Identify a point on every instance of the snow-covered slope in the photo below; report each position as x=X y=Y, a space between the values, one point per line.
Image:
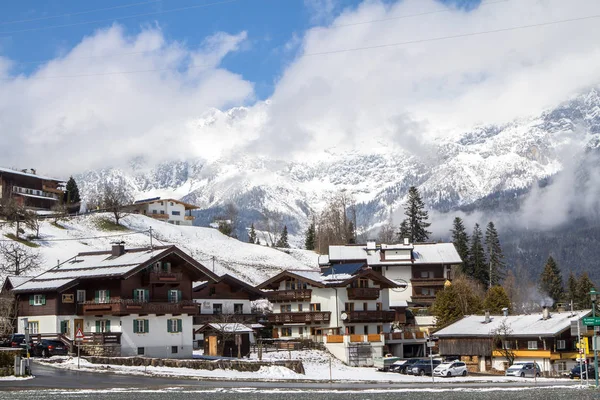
x=251 y=263
x=456 y=169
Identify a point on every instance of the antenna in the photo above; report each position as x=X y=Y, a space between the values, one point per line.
x=151 y=248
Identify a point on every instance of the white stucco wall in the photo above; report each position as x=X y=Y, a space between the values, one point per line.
x=158 y=341
x=206 y=305
x=46 y=324
x=398 y=273
x=168 y=207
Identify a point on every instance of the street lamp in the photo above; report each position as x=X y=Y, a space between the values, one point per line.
x=593 y=296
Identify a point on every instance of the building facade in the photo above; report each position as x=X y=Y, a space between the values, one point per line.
x=173 y=211
x=32 y=191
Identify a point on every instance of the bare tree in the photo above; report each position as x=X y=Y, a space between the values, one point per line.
x=34 y=223
x=8 y=314
x=116 y=199
x=59 y=212
x=16 y=259
x=502 y=342
x=228 y=221
x=335 y=224
x=16 y=214
x=228 y=326
x=272 y=226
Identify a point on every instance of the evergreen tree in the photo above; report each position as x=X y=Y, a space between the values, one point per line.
x=584 y=287
x=252 y=235
x=455 y=301
x=573 y=290
x=283 y=239
x=309 y=239
x=477 y=260
x=351 y=233
x=551 y=280
x=497 y=268
x=414 y=227
x=460 y=238
x=72 y=192
x=496 y=299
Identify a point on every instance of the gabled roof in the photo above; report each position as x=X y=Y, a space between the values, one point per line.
x=532 y=325
x=311 y=277
x=225 y=327
x=44 y=178
x=232 y=281
x=317 y=279
x=102 y=264
x=421 y=253
x=13 y=281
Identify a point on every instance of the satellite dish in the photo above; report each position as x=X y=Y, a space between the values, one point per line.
x=344 y=316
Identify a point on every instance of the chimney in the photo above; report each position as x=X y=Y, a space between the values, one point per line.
x=545 y=313
x=118 y=249
x=371 y=245
x=505 y=311
x=487 y=317
x=406 y=242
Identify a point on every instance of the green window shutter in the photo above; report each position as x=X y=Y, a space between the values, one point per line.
x=135 y=326
x=169 y=325
x=97 y=326
x=146 y=295
x=108 y=295
x=108 y=325
x=97 y=296
x=30 y=299
x=43 y=299
x=63 y=327
x=179 y=295
x=134 y=295
x=146 y=326
x=179 y=327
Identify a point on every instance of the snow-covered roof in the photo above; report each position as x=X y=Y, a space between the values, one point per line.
x=422 y=253
x=12 y=171
x=229 y=327
x=436 y=253
x=187 y=206
x=424 y=320
x=398 y=303
x=18 y=280
x=520 y=325
x=44 y=284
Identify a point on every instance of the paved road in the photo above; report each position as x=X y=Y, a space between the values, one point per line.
x=48 y=377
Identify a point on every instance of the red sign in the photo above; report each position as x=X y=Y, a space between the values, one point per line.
x=79 y=335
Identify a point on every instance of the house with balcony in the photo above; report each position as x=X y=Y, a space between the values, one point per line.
x=34 y=192
x=483 y=341
x=173 y=211
x=126 y=301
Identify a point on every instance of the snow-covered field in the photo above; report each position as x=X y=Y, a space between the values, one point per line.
x=251 y=263
x=15 y=378
x=316 y=365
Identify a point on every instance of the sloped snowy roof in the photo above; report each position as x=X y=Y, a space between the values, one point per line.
x=12 y=171
x=436 y=253
x=422 y=253
x=230 y=327
x=520 y=325
x=18 y=280
x=43 y=284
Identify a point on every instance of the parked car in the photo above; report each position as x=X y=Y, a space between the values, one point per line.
x=5 y=341
x=423 y=367
x=405 y=368
x=48 y=348
x=18 y=340
x=582 y=371
x=451 y=368
x=524 y=369
x=395 y=367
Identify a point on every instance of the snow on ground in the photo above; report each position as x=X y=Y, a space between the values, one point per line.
x=316 y=364
x=251 y=263
x=15 y=378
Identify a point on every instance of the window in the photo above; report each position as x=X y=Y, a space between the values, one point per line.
x=238 y=308
x=285 y=308
x=33 y=327
x=300 y=307
x=80 y=296
x=102 y=325
x=37 y=300
x=166 y=267
x=561 y=344
x=217 y=308
x=507 y=344
x=141 y=326
x=425 y=274
x=175 y=212
x=348 y=307
x=212 y=291
x=366 y=329
x=286 y=332
x=315 y=307
x=378 y=306
x=154 y=211
x=174 y=296
x=162 y=211
x=174 y=349
x=427 y=292
x=561 y=366
x=141 y=351
x=174 y=325
x=532 y=345
x=365 y=306
x=379 y=329
x=171 y=203
x=363 y=283
x=141 y=295
x=300 y=331
x=102 y=296
x=350 y=330
x=64 y=327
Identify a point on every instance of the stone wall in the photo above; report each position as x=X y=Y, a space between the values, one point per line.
x=107 y=350
x=237 y=365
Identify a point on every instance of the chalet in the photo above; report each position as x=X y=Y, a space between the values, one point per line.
x=169 y=210
x=128 y=301
x=33 y=191
x=12 y=281
x=544 y=338
x=423 y=268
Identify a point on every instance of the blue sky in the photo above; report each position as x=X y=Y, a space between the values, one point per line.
x=270 y=25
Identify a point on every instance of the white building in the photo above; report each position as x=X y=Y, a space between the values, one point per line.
x=169 y=210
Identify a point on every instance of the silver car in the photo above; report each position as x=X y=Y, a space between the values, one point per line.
x=524 y=369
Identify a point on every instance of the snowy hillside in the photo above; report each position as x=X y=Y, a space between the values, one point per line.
x=224 y=255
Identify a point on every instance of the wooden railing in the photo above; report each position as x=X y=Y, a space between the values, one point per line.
x=159 y=216
x=363 y=293
x=290 y=295
x=423 y=298
x=189 y=217
x=427 y=282
x=165 y=277
x=370 y=316
x=125 y=306
x=300 y=317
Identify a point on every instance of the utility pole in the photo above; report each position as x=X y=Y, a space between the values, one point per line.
x=151 y=238
x=593 y=296
x=579 y=348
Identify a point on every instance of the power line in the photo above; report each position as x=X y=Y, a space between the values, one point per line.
x=73 y=14
x=81 y=238
x=120 y=18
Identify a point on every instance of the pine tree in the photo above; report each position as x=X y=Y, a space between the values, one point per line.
x=551 y=282
x=497 y=268
x=283 y=239
x=584 y=287
x=252 y=235
x=460 y=238
x=414 y=227
x=477 y=259
x=351 y=233
x=72 y=192
x=496 y=299
x=309 y=240
x=573 y=290
x=455 y=301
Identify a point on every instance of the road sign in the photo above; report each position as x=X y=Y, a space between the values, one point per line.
x=79 y=335
x=591 y=321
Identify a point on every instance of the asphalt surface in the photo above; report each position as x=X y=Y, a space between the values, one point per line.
x=48 y=377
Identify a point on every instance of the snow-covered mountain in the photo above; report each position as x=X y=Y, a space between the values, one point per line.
x=456 y=169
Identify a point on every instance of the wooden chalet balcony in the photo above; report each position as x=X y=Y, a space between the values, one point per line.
x=125 y=307
x=370 y=316
x=300 y=317
x=202 y=319
x=363 y=293
x=165 y=277
x=423 y=298
x=290 y=295
x=159 y=216
x=428 y=282
x=189 y=217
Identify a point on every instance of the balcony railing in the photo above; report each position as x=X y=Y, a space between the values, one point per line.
x=428 y=282
x=159 y=216
x=363 y=293
x=290 y=295
x=300 y=317
x=423 y=298
x=189 y=217
x=35 y=192
x=370 y=316
x=165 y=277
x=124 y=307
